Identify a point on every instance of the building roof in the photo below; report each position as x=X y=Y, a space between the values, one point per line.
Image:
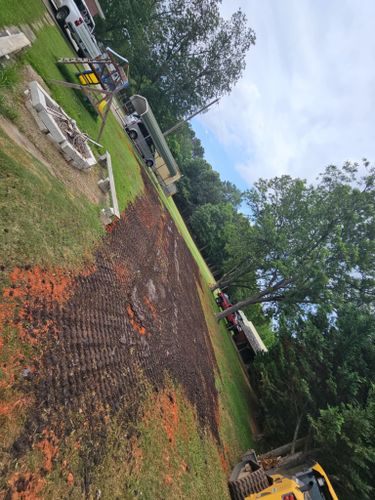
x=95 y=8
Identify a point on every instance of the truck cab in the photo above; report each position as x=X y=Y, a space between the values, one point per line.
x=75 y=16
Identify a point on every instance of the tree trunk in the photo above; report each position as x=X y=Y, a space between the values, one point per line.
x=296 y=431
x=285 y=449
x=264 y=296
x=202 y=248
x=232 y=274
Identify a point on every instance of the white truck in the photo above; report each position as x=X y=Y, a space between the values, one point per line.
x=75 y=15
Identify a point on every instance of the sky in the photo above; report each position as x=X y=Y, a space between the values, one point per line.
x=306 y=98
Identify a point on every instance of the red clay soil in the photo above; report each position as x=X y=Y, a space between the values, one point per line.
x=128 y=321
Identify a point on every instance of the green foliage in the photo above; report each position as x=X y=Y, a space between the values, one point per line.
x=320 y=372
x=182 y=53
x=184 y=144
x=310 y=244
x=201 y=185
x=346 y=433
x=210 y=223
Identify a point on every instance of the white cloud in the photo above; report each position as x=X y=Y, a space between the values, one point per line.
x=307 y=95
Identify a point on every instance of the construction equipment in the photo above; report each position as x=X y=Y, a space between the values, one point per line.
x=249 y=481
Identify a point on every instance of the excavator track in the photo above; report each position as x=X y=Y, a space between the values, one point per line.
x=253 y=482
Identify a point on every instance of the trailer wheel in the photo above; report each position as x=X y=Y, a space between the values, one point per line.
x=149 y=163
x=62 y=14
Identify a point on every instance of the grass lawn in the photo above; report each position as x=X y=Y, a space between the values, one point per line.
x=233 y=387
x=20 y=11
x=40 y=222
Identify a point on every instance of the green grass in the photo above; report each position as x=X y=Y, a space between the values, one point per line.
x=183 y=464
x=43 y=55
x=234 y=390
x=41 y=223
x=9 y=79
x=20 y=11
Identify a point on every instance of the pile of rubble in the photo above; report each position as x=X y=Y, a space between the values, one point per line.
x=60 y=128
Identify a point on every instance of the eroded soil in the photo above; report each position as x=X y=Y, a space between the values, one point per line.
x=111 y=331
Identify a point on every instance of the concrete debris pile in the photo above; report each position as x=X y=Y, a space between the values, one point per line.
x=60 y=128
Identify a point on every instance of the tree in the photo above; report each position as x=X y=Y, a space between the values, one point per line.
x=345 y=434
x=200 y=184
x=317 y=380
x=310 y=244
x=182 y=52
x=212 y=225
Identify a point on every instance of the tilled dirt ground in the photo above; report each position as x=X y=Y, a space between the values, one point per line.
x=122 y=325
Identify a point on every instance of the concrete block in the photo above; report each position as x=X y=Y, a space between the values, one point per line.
x=67 y=157
x=39 y=122
x=106 y=215
x=50 y=138
x=70 y=151
x=91 y=161
x=76 y=164
x=52 y=126
x=104 y=185
x=112 y=184
x=102 y=160
x=37 y=96
x=13 y=43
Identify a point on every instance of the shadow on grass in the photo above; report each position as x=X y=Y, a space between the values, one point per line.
x=85 y=101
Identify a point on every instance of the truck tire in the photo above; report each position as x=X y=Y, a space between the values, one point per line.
x=253 y=482
x=62 y=14
x=133 y=134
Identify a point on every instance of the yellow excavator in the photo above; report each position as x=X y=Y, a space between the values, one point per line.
x=289 y=481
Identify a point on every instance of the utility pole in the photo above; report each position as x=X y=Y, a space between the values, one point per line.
x=180 y=123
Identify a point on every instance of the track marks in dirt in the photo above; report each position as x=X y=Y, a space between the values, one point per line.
x=131 y=320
